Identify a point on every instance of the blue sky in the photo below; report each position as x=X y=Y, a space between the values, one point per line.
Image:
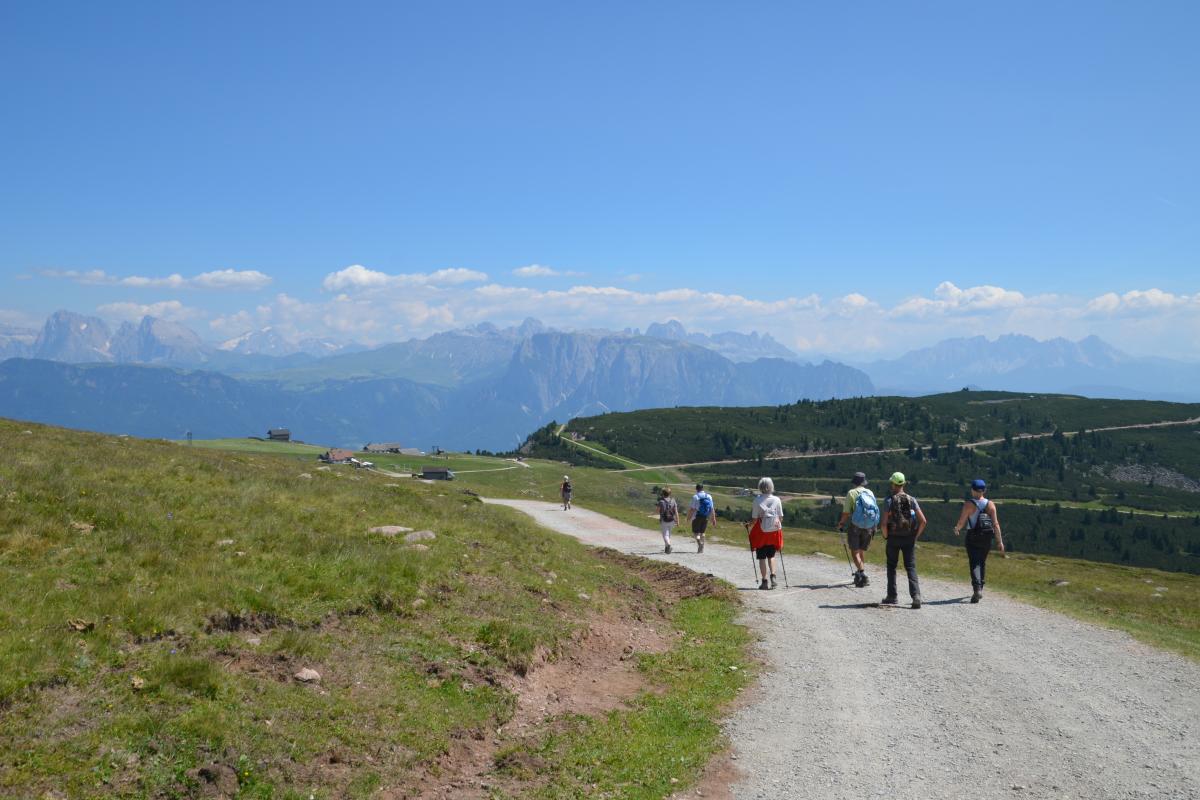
x=814 y=170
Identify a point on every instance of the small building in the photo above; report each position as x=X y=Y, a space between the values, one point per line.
x=337 y=455
x=411 y=451
x=383 y=447
x=437 y=474
x=279 y=435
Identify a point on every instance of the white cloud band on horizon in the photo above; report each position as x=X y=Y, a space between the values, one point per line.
x=217 y=280
x=540 y=271
x=356 y=277
x=374 y=307
x=172 y=310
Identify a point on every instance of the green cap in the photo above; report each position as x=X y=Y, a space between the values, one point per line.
x=898 y=479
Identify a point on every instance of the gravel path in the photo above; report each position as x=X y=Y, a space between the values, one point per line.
x=955 y=700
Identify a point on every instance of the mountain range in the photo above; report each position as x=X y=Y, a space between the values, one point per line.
x=486 y=387
x=478 y=387
x=1090 y=367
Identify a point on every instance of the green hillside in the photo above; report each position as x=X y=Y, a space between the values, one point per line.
x=160 y=600
x=1069 y=487
x=677 y=435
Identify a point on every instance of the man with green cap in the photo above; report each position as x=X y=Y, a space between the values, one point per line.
x=903 y=524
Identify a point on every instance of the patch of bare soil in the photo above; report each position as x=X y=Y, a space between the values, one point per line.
x=720 y=774
x=596 y=673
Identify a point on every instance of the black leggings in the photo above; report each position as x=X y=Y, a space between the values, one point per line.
x=977 y=553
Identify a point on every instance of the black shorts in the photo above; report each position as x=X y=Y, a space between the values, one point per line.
x=699 y=525
x=766 y=551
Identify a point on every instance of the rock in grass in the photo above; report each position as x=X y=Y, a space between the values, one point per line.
x=418 y=547
x=83 y=527
x=1060 y=582
x=420 y=536
x=389 y=530
x=307 y=675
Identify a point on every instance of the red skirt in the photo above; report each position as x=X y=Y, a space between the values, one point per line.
x=760 y=538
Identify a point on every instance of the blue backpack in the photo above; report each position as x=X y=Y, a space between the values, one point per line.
x=866 y=511
x=705 y=504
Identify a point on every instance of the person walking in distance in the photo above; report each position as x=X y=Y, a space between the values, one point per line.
x=701 y=513
x=668 y=516
x=861 y=511
x=983 y=525
x=766 y=531
x=903 y=524
x=566 y=490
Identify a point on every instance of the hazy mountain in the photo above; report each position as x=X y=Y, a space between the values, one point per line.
x=734 y=346
x=1089 y=366
x=16 y=342
x=270 y=342
x=562 y=375
x=158 y=402
x=509 y=385
x=157 y=341
x=443 y=359
x=67 y=336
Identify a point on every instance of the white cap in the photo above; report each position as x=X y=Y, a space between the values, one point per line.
x=566 y=477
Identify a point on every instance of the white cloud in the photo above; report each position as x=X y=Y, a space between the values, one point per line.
x=375 y=307
x=221 y=280
x=1140 y=303
x=539 y=271
x=132 y=312
x=356 y=277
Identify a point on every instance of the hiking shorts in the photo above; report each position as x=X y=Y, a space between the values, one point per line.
x=699 y=525
x=764 y=552
x=858 y=538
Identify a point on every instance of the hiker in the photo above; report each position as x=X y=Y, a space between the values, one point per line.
x=766 y=533
x=979 y=516
x=861 y=511
x=903 y=524
x=701 y=513
x=668 y=515
x=565 y=491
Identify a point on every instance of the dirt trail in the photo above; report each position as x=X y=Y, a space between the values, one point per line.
x=954 y=700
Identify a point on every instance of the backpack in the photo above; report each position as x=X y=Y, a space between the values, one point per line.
x=866 y=511
x=704 y=506
x=902 y=516
x=983 y=521
x=668 y=510
x=566 y=487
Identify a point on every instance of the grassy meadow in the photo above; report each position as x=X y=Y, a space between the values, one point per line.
x=161 y=598
x=1112 y=595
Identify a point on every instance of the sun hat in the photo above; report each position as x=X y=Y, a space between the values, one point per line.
x=979 y=485
x=898 y=479
x=859 y=478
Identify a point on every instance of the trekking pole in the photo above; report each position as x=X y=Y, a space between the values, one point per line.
x=849 y=561
x=753 y=563
x=783 y=564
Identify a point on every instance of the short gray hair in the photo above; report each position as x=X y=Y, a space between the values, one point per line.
x=766 y=486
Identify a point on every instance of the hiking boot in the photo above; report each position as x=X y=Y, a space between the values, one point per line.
x=863 y=580
x=699 y=545
x=888 y=601
x=857 y=580
x=667 y=549
x=773 y=584
x=976 y=596
x=764 y=585
x=916 y=602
